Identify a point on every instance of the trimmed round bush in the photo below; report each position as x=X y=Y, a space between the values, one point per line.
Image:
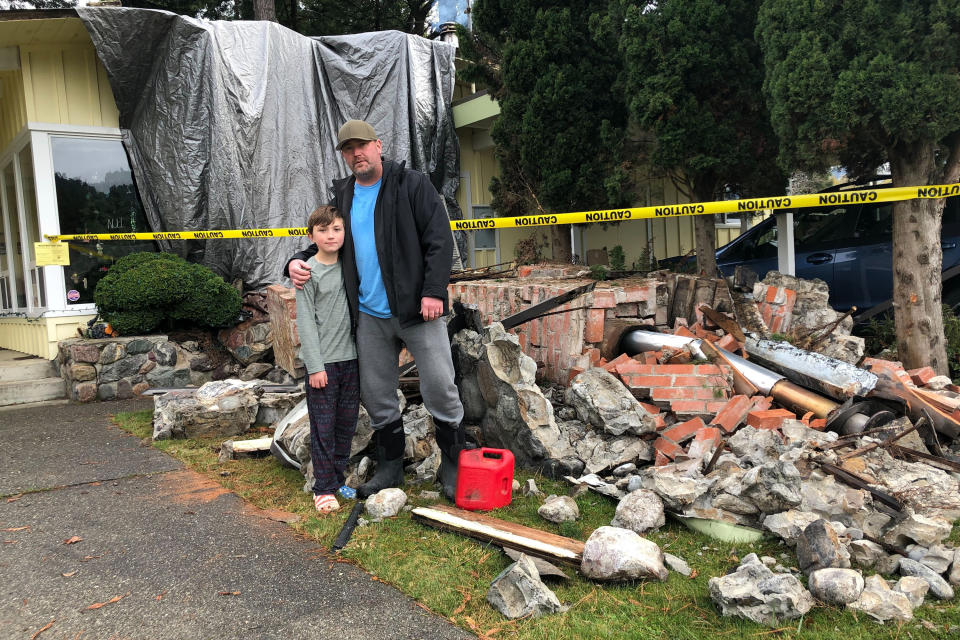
x=144 y=290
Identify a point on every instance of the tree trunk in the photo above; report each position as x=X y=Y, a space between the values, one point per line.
x=264 y=10
x=560 y=240
x=705 y=235
x=917 y=263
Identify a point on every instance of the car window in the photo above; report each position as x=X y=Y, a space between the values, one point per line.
x=874 y=225
x=951 y=218
x=823 y=228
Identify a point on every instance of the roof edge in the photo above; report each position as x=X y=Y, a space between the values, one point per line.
x=37 y=14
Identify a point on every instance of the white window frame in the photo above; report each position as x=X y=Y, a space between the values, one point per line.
x=48 y=211
x=11 y=157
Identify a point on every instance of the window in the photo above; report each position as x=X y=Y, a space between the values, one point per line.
x=484 y=241
x=95 y=194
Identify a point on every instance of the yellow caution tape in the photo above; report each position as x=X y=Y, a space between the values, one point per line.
x=607 y=215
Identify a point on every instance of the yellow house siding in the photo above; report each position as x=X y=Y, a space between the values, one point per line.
x=66 y=84
x=39 y=336
x=13 y=109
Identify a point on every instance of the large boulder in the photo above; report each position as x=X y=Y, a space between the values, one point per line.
x=640 y=511
x=615 y=554
x=603 y=401
x=756 y=593
x=518 y=416
x=836 y=586
x=217 y=409
x=518 y=592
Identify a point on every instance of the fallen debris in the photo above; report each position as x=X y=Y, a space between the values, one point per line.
x=519 y=592
x=756 y=593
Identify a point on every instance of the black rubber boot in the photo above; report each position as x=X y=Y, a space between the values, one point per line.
x=450 y=440
x=390 y=444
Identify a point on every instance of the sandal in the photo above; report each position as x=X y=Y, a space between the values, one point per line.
x=325 y=503
x=347 y=493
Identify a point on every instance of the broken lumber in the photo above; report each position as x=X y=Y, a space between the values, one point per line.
x=232 y=449
x=530 y=541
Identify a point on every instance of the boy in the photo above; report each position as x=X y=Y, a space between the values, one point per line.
x=330 y=356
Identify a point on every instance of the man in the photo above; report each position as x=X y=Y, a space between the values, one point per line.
x=396 y=260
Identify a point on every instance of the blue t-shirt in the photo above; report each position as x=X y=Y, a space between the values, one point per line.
x=373 y=295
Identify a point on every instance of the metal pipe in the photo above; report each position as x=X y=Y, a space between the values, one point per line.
x=835 y=378
x=801 y=400
x=638 y=341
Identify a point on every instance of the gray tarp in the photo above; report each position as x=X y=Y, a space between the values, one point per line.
x=233 y=125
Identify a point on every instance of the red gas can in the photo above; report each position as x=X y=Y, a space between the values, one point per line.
x=484 y=479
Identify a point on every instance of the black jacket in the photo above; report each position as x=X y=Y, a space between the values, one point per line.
x=414 y=242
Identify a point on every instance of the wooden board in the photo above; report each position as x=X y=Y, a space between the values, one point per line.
x=534 y=542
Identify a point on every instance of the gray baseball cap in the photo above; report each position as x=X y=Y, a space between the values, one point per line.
x=355 y=130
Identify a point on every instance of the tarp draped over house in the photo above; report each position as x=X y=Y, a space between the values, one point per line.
x=233 y=125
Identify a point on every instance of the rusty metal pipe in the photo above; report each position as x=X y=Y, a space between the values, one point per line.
x=801 y=400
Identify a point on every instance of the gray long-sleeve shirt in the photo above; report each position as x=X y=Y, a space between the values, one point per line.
x=323 y=319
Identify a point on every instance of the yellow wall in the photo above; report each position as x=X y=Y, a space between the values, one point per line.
x=39 y=336
x=66 y=84
x=13 y=109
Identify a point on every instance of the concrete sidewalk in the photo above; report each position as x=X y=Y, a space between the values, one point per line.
x=186 y=558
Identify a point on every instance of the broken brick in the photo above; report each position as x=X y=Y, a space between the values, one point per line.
x=706 y=440
x=668 y=447
x=922 y=375
x=660 y=460
x=684 y=431
x=733 y=413
x=728 y=342
x=769 y=419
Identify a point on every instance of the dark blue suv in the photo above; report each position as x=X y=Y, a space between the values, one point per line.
x=848 y=246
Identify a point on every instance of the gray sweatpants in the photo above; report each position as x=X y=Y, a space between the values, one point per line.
x=378 y=351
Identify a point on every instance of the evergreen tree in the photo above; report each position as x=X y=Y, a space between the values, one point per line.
x=693 y=78
x=865 y=82
x=561 y=120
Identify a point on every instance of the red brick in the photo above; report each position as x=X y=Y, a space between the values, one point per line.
x=708 y=369
x=649 y=408
x=733 y=413
x=709 y=433
x=651 y=357
x=922 y=375
x=604 y=299
x=630 y=366
x=714 y=407
x=649 y=382
x=689 y=381
x=593 y=332
x=674 y=393
x=686 y=409
x=684 y=431
x=524 y=271
x=682 y=330
x=706 y=440
x=668 y=448
x=819 y=424
x=761 y=403
x=771 y=294
x=621 y=359
x=659 y=422
x=728 y=342
x=676 y=369
x=574 y=372
x=889 y=368
x=680 y=357
x=679 y=322
x=769 y=419
x=661 y=460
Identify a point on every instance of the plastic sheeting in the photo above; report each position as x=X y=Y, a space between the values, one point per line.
x=233 y=125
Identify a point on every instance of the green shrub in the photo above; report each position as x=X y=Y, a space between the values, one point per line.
x=618 y=259
x=142 y=290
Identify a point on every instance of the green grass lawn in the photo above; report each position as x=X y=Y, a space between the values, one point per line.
x=450 y=574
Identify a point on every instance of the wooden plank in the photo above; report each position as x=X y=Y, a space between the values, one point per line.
x=535 y=542
x=740 y=382
x=725 y=322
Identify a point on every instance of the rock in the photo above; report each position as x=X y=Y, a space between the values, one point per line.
x=865 y=554
x=625 y=470
x=914 y=588
x=773 y=487
x=385 y=504
x=167 y=378
x=888 y=565
x=255 y=370
x=279 y=375
x=518 y=416
x=882 y=603
x=530 y=488
x=756 y=593
x=516 y=485
x=756 y=446
x=107 y=391
x=112 y=352
x=274 y=406
x=466 y=348
x=559 y=509
x=81 y=372
x=675 y=488
x=836 y=586
x=603 y=401
x=615 y=554
x=281 y=303
x=250 y=341
x=678 y=564
x=418 y=430
x=124 y=368
x=543 y=567
x=954 y=578
x=937 y=557
x=833 y=501
x=928 y=491
x=788 y=525
x=140 y=345
x=519 y=592
x=430 y=495
x=640 y=511
x=925 y=531
x=818 y=547
x=796 y=433
x=426 y=471
x=85 y=391
x=600 y=452
x=165 y=353
x=939 y=588
x=224 y=408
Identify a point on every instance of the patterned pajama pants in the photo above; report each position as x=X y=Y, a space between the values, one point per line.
x=333 y=421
